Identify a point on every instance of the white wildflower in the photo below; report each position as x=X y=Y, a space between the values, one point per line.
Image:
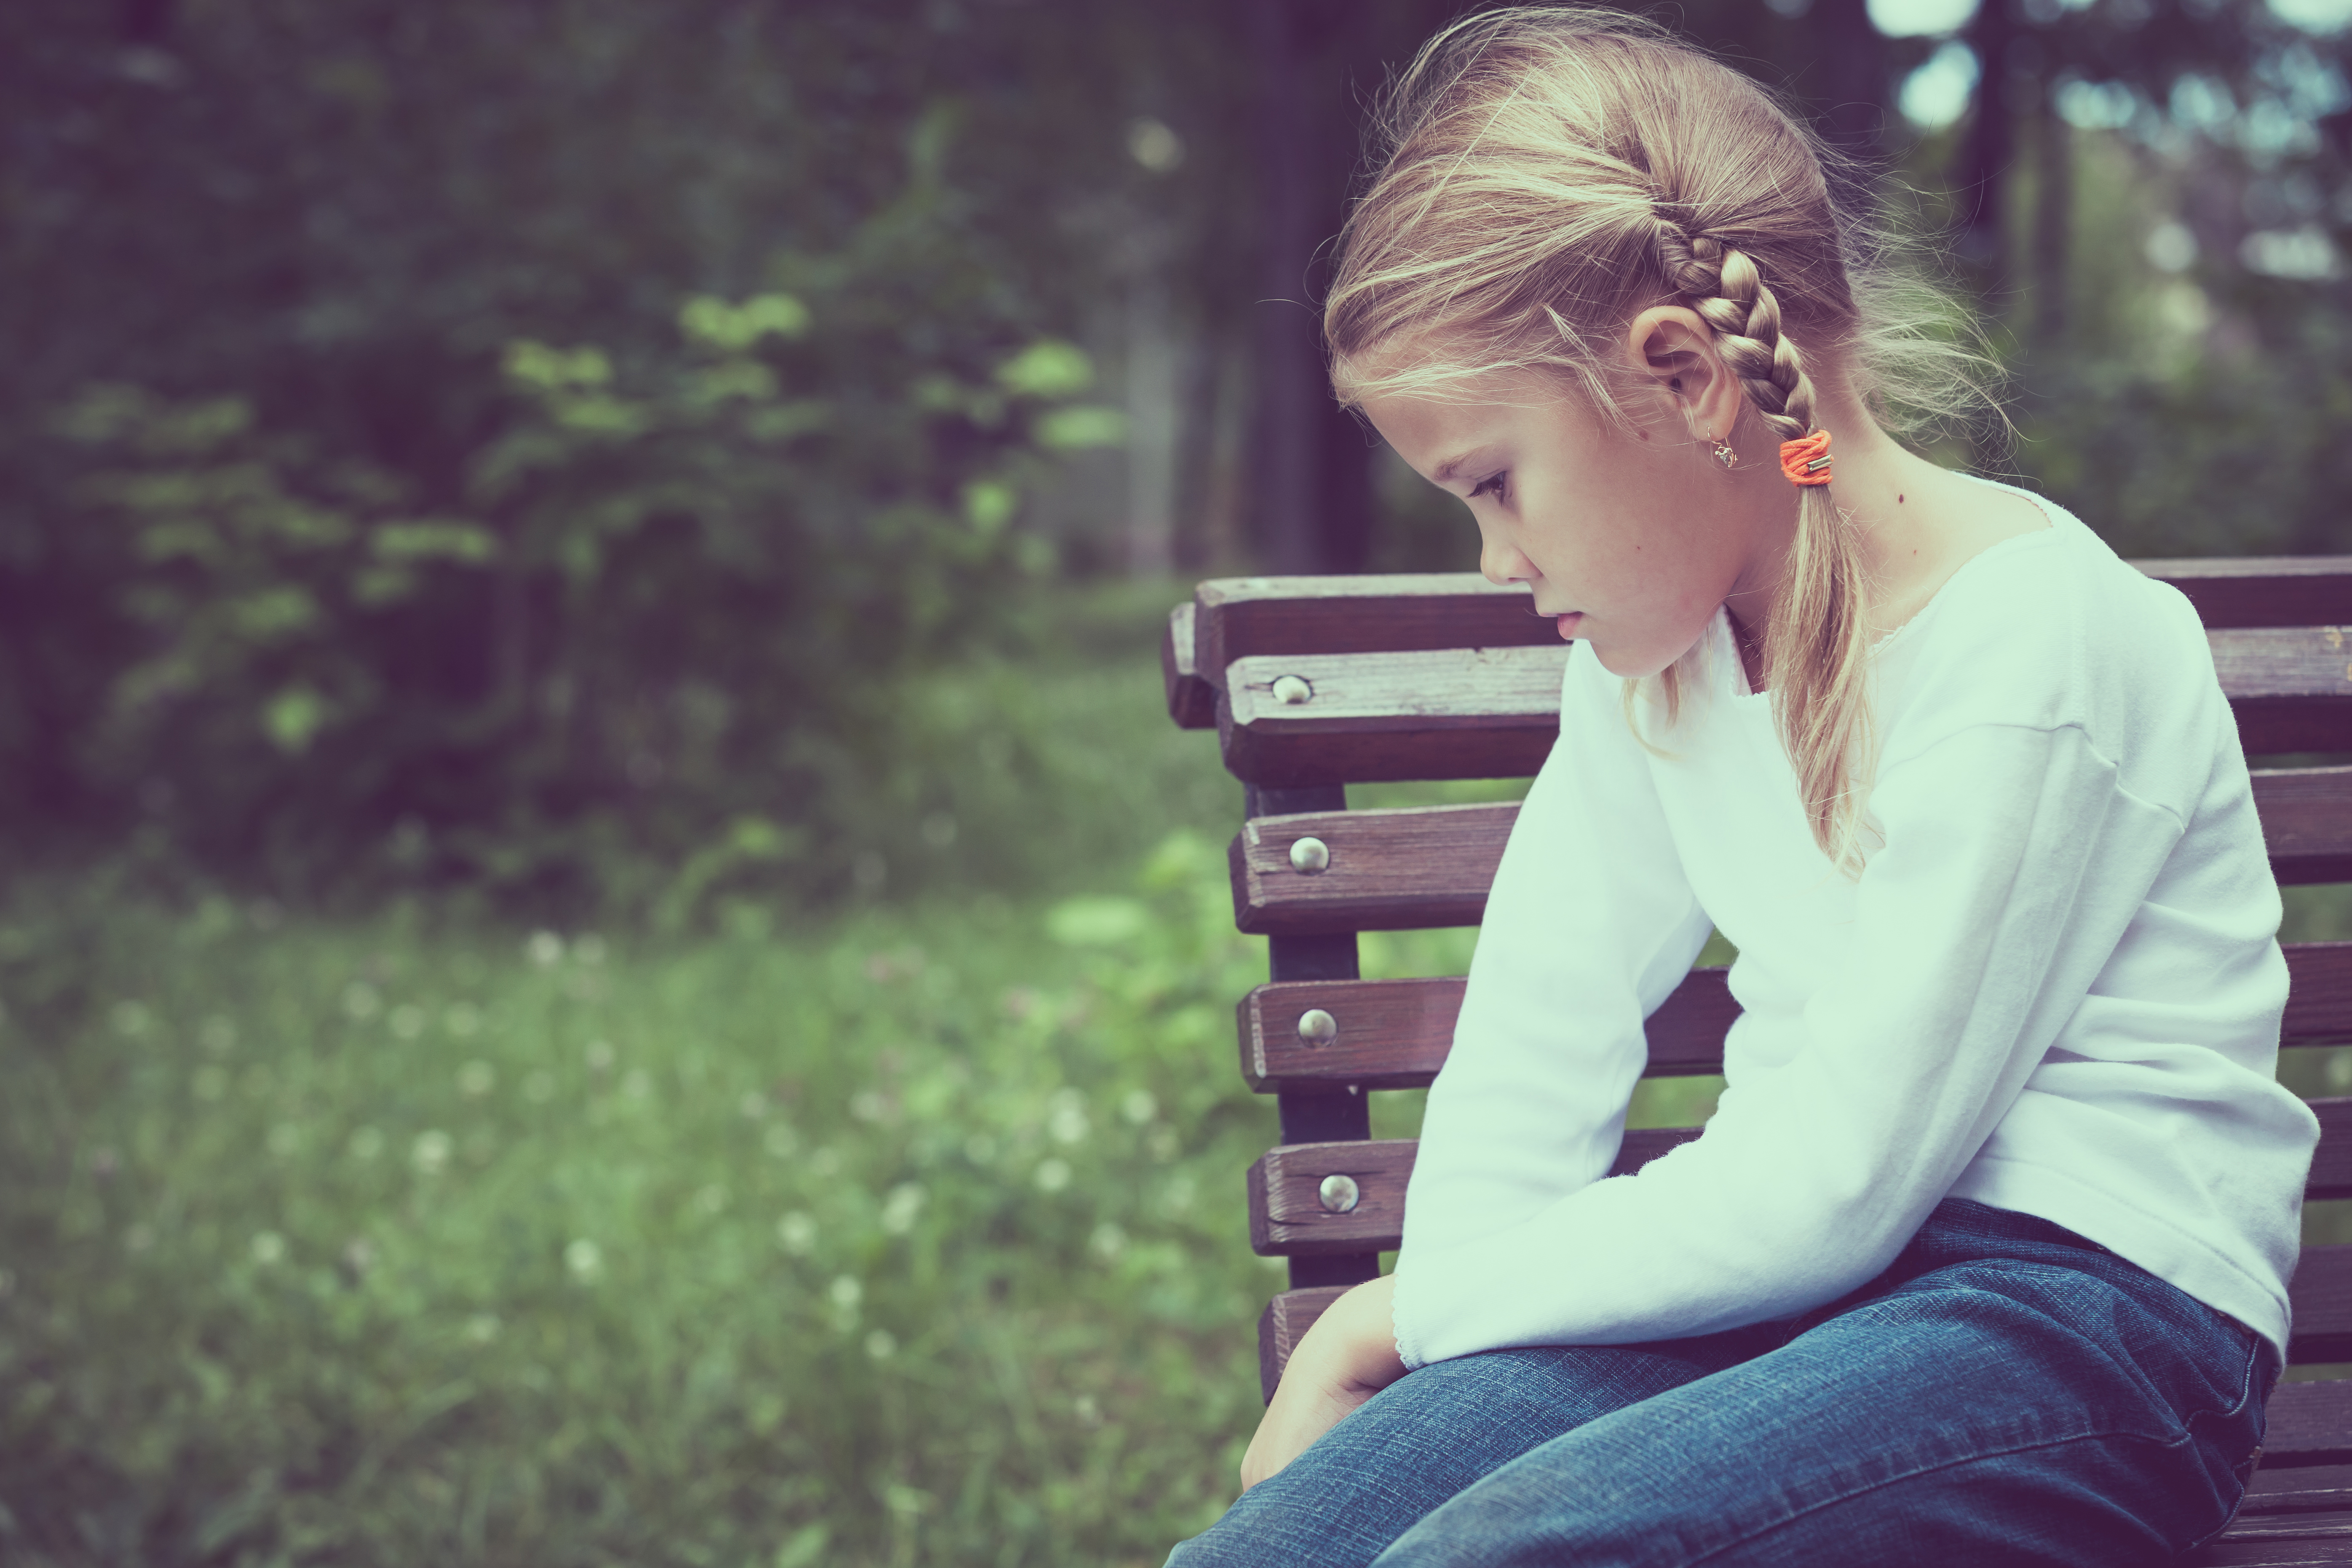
x=900 y=1209
x=430 y=1152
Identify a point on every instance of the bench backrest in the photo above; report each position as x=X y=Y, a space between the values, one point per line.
x=1314 y=683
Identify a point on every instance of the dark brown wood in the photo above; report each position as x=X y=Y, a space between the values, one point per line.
x=1493 y=712
x=1241 y=617
x=1391 y=1034
x=1283 y=1323
x=2308 y=1424
x=1485 y=712
x=1192 y=701
x=2319 y=995
x=2262 y=590
x=2286 y=686
x=2303 y=1489
x=2331 y=1164
x=1394 y=1033
x=1431 y=866
x=2306 y=821
x=1287 y=1218
x=2311 y=1540
x=2322 y=1294
x=1386 y=870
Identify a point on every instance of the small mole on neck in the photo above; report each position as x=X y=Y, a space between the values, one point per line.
x=1643 y=434
x=1898 y=500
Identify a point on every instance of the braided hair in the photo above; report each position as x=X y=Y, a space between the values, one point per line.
x=1545 y=173
x=1819 y=703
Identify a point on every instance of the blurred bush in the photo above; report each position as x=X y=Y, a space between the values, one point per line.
x=448 y=447
x=687 y=574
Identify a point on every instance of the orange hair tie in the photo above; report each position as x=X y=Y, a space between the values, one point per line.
x=1806 y=461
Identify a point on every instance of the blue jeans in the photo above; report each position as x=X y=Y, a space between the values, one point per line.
x=2007 y=1392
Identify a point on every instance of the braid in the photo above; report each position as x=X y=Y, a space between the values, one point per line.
x=1815 y=654
x=1729 y=295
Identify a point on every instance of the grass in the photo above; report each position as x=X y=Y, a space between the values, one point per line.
x=915 y=1239
x=910 y=1235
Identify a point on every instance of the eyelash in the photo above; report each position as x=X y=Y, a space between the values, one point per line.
x=1493 y=483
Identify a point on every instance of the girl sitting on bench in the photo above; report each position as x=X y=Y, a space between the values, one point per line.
x=1983 y=1256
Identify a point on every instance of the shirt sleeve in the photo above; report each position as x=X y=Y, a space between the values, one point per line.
x=1977 y=928
x=1589 y=925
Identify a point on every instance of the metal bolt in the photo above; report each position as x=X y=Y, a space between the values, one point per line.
x=1309 y=855
x=1317 y=1027
x=1339 y=1193
x=1292 y=690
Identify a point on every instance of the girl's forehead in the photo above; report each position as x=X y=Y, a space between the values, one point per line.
x=1449 y=435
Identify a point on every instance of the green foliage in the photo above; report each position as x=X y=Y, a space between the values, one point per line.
x=445 y=445
x=667 y=578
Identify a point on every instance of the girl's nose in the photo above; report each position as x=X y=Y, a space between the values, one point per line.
x=1502 y=564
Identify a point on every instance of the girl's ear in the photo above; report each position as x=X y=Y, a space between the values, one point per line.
x=1674 y=350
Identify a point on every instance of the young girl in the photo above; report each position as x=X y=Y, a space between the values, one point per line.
x=1983 y=1256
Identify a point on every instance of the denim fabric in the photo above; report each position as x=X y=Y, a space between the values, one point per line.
x=2007 y=1392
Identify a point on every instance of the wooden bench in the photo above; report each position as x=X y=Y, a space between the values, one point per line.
x=1315 y=683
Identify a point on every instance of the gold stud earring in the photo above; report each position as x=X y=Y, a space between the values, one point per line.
x=1723 y=452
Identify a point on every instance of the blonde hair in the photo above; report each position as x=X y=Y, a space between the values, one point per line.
x=1544 y=174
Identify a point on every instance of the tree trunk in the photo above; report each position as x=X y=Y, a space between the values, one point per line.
x=1854 y=88
x=1986 y=150
x=2053 y=207
x=1311 y=462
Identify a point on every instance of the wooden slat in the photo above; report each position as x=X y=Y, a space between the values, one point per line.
x=2306 y=821
x=2309 y=1540
x=1242 y=618
x=2303 y=1489
x=2262 y=590
x=1482 y=712
x=1421 y=866
x=2322 y=1294
x=1287 y=1218
x=2308 y=1424
x=1394 y=1033
x=1388 y=870
x=2331 y=1164
x=1494 y=713
x=1192 y=701
x=2318 y=993
x=1283 y=1323
x=2286 y=686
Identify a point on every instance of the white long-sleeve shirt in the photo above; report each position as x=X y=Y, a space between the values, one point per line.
x=2056 y=987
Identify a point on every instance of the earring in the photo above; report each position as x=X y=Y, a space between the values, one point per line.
x=1723 y=452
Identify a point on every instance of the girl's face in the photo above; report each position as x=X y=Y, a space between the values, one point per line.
x=1631 y=540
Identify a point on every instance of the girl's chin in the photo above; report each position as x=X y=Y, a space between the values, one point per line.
x=1631 y=663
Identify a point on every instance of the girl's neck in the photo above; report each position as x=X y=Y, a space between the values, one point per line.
x=1916 y=524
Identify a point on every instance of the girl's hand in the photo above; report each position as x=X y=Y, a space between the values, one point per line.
x=1346 y=1357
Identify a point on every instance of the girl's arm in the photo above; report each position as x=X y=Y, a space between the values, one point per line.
x=1591 y=924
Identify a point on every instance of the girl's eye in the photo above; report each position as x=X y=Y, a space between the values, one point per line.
x=1492 y=485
